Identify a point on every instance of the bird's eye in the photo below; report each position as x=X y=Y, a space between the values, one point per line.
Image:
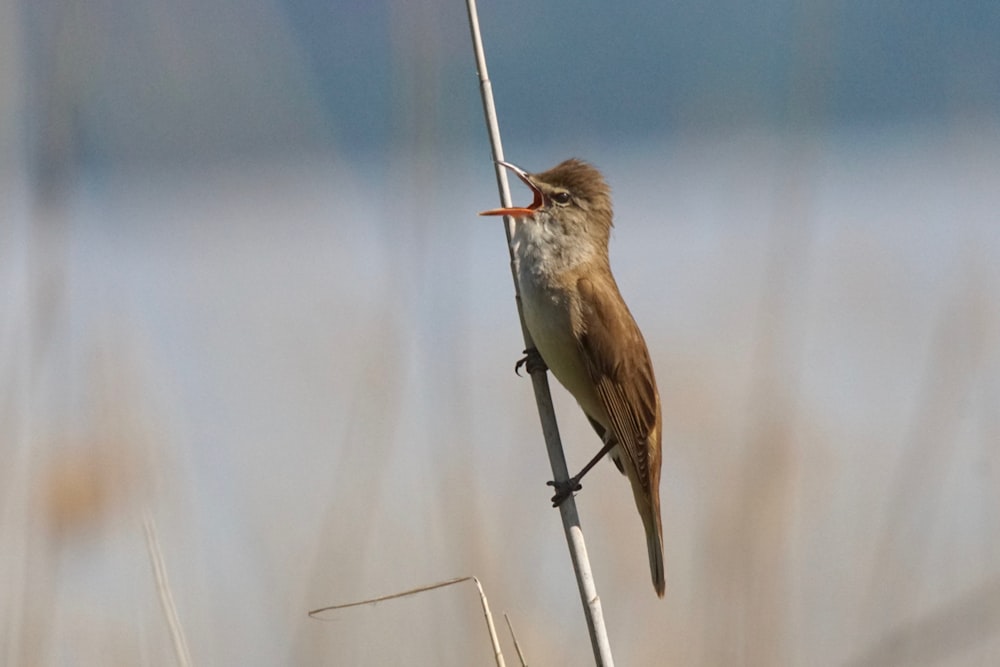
x=560 y=197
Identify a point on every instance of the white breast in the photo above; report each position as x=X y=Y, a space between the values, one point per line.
x=550 y=309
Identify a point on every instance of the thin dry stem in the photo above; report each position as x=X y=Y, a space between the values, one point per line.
x=592 y=609
x=517 y=644
x=163 y=589
x=495 y=641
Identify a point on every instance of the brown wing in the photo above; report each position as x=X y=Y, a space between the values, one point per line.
x=619 y=365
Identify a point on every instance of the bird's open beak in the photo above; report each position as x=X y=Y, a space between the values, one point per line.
x=519 y=212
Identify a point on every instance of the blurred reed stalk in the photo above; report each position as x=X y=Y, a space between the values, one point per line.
x=163 y=591
x=546 y=413
x=517 y=644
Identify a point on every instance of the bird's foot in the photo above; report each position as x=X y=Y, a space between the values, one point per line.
x=532 y=361
x=564 y=490
x=567 y=488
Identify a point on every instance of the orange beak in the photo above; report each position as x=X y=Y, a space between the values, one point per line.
x=519 y=212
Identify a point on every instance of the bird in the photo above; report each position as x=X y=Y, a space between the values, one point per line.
x=583 y=331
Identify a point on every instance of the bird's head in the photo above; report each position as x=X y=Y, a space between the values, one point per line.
x=572 y=195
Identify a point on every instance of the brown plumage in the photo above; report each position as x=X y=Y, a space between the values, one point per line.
x=583 y=330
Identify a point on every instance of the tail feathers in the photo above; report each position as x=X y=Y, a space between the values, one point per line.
x=654 y=544
x=648 y=504
x=649 y=511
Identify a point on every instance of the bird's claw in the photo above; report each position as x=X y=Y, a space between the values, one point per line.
x=532 y=361
x=564 y=490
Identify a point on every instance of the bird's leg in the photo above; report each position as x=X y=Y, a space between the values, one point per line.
x=565 y=489
x=532 y=361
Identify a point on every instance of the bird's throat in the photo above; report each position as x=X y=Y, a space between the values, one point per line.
x=548 y=253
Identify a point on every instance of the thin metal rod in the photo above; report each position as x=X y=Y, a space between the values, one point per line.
x=546 y=413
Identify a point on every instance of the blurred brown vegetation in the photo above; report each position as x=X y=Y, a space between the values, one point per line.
x=317 y=411
x=301 y=368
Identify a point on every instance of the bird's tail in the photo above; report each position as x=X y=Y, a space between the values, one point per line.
x=654 y=543
x=647 y=501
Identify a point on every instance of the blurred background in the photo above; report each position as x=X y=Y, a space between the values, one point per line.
x=244 y=293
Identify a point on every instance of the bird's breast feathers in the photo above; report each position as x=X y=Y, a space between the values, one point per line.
x=552 y=311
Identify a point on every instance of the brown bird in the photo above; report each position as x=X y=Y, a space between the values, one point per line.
x=584 y=332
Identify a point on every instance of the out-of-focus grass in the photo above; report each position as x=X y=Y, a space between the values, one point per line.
x=310 y=385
